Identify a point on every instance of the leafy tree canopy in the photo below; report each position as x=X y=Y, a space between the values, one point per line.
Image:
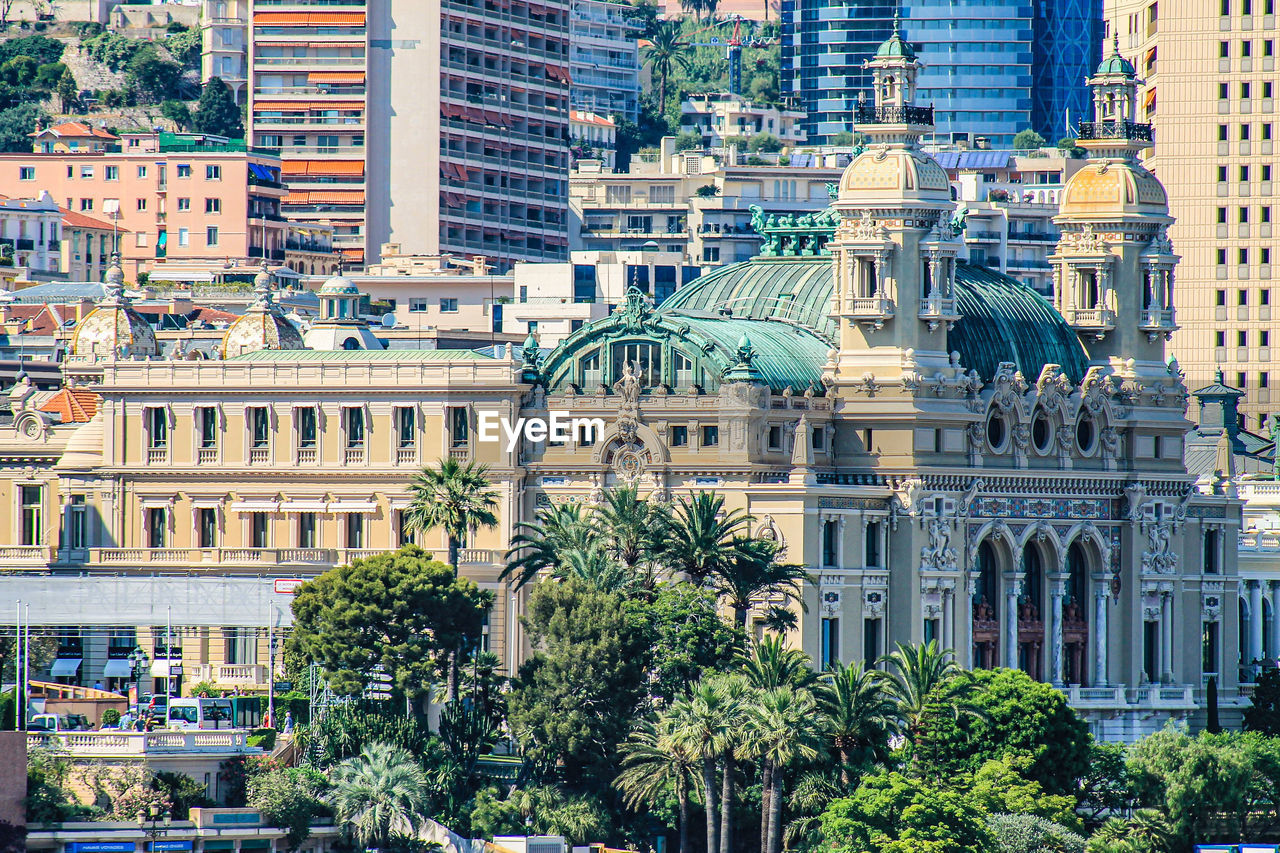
x=690 y=638
x=216 y=112
x=402 y=611
x=890 y=812
x=1022 y=833
x=289 y=798
x=152 y=75
x=42 y=49
x=576 y=696
x=1028 y=139
x=1264 y=714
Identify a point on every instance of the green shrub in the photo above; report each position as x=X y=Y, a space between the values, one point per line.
x=110 y=717
x=264 y=738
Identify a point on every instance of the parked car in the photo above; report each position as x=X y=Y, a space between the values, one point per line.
x=56 y=723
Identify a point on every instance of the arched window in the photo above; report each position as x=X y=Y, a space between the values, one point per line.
x=986 y=613
x=1075 y=616
x=350 y=344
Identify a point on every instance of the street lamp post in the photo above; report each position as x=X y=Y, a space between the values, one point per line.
x=138 y=660
x=154 y=822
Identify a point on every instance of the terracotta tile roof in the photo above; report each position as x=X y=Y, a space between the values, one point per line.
x=75 y=219
x=73 y=405
x=76 y=129
x=41 y=319
x=589 y=118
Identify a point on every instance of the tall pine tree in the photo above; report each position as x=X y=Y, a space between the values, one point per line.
x=217 y=113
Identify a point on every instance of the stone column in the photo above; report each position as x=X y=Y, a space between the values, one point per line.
x=840 y=533
x=1100 y=641
x=1010 y=638
x=1255 y=625
x=1274 y=627
x=949 y=619
x=1166 y=637
x=1057 y=588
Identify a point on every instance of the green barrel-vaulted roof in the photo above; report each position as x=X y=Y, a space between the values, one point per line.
x=796 y=290
x=785 y=355
x=1001 y=319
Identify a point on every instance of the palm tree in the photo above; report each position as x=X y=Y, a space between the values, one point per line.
x=754 y=572
x=737 y=696
x=454 y=497
x=632 y=528
x=785 y=727
x=771 y=665
x=926 y=681
x=664 y=53
x=652 y=761
x=700 y=725
x=1112 y=837
x=597 y=568
x=382 y=793
x=544 y=544
x=1149 y=831
x=704 y=538
x=859 y=713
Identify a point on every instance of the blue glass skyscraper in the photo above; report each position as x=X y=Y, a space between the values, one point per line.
x=1065 y=50
x=982 y=61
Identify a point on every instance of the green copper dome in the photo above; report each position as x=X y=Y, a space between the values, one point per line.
x=1115 y=63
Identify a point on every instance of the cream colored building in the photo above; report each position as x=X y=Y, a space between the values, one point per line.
x=722 y=116
x=658 y=200
x=952 y=456
x=1207 y=91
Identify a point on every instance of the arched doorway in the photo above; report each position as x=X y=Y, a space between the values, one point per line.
x=986 y=603
x=1075 y=617
x=1030 y=610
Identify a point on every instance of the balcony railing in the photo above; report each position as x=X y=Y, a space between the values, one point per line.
x=306 y=456
x=938 y=309
x=109 y=744
x=871 y=309
x=354 y=456
x=865 y=114
x=320 y=558
x=14 y=555
x=1157 y=321
x=259 y=455
x=233 y=674
x=1096 y=320
x=406 y=455
x=460 y=454
x=1115 y=129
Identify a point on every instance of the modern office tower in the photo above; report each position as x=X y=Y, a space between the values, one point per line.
x=1214 y=121
x=604 y=59
x=991 y=67
x=1065 y=46
x=476 y=163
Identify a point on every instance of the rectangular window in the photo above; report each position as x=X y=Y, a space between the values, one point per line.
x=184 y=204
x=775 y=437
x=354 y=417
x=1266 y=173
x=32 y=532
x=355 y=530
x=870 y=641
x=211 y=235
x=710 y=436
x=207 y=427
x=77 y=523
x=86 y=204
x=1211 y=540
x=1245 y=90
x=157 y=428
x=830 y=541
x=142 y=171
x=157 y=526
x=406 y=431
x=307 y=427
x=1244 y=173
x=1222 y=216
x=404 y=530
x=830 y=643
x=258 y=529
x=448 y=305
x=306 y=530
x=213 y=205
x=1221 y=297
x=26 y=173
x=1264 y=338
x=1222 y=133
x=1224 y=91
x=86 y=171
x=872 y=549
x=184 y=237
x=207 y=527
x=259 y=426
x=679 y=436
x=459 y=427
x=142 y=204
x=111 y=173
x=1220 y=339
x=1242 y=339
x=417 y=306
x=1242 y=296
x=184 y=170
x=1209 y=649
x=213 y=173
x=1222 y=173
x=1243 y=214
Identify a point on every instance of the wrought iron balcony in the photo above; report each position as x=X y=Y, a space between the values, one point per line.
x=865 y=114
x=1115 y=129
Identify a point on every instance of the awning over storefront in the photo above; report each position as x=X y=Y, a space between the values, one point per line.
x=303 y=506
x=254 y=505
x=117 y=668
x=353 y=506
x=63 y=667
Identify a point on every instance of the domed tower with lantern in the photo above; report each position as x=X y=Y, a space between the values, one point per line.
x=895 y=248
x=262 y=327
x=1114 y=265
x=340 y=325
x=114 y=330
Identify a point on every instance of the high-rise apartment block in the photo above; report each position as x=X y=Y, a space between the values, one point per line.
x=438 y=125
x=1215 y=122
x=604 y=59
x=991 y=67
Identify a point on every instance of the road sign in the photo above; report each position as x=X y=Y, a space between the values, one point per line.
x=288 y=586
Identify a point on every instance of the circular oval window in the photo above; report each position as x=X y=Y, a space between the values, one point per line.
x=1086 y=435
x=1041 y=432
x=996 y=431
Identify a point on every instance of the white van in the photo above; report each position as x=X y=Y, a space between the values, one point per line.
x=198 y=713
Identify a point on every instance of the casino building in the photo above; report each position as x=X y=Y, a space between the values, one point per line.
x=954 y=457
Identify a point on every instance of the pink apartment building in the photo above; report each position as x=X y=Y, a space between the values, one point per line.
x=173 y=196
